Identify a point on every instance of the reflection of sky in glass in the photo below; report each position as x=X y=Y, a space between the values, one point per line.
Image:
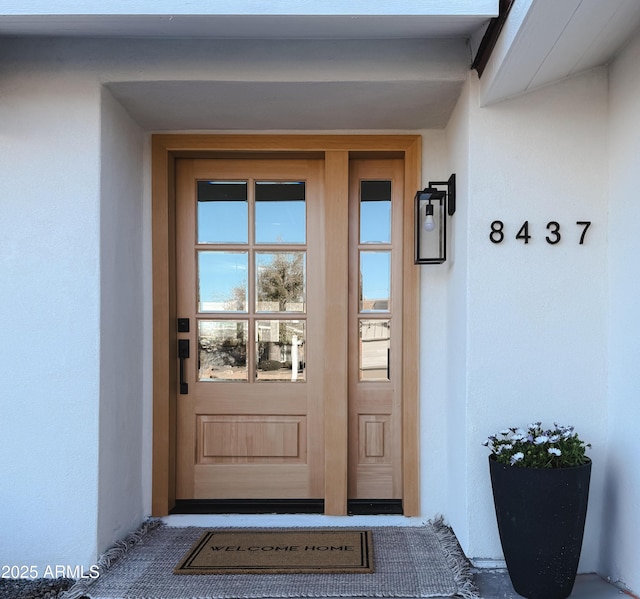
x=222 y=212
x=219 y=273
x=280 y=222
x=222 y=222
x=375 y=272
x=375 y=222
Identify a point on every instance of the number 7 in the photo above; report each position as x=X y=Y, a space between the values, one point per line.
x=586 y=224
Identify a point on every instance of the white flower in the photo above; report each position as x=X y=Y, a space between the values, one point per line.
x=541 y=439
x=554 y=451
x=554 y=438
x=516 y=457
x=505 y=432
x=505 y=447
x=517 y=437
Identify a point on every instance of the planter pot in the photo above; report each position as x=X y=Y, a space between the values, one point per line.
x=541 y=514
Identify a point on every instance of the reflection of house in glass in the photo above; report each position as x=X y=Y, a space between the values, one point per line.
x=231 y=305
x=375 y=305
x=375 y=346
x=222 y=350
x=280 y=349
x=277 y=306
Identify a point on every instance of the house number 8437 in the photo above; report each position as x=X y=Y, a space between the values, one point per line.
x=553 y=236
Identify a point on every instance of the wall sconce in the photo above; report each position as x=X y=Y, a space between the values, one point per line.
x=431 y=208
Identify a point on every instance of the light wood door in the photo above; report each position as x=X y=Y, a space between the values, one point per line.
x=258 y=298
x=376 y=251
x=249 y=239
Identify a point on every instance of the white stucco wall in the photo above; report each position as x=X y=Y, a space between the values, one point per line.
x=50 y=305
x=73 y=291
x=620 y=536
x=434 y=406
x=451 y=281
x=536 y=314
x=123 y=319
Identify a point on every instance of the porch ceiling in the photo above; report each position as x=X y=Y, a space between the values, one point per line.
x=235 y=84
x=282 y=19
x=171 y=105
x=542 y=41
x=336 y=64
x=244 y=27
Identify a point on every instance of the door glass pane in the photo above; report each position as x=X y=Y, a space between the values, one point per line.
x=222 y=350
x=375 y=281
x=280 y=212
x=280 y=281
x=222 y=281
x=280 y=350
x=375 y=347
x=223 y=215
x=375 y=211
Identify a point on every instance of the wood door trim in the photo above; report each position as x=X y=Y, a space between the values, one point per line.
x=166 y=148
x=336 y=357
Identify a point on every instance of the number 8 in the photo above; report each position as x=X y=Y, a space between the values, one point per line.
x=497 y=227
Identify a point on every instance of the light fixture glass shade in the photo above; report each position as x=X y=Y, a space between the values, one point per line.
x=430 y=227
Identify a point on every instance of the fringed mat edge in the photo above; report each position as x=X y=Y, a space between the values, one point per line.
x=119 y=549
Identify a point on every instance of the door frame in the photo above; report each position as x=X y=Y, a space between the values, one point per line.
x=336 y=150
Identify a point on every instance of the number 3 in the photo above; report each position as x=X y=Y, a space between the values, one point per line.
x=554 y=229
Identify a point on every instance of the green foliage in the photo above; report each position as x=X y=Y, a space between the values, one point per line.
x=535 y=447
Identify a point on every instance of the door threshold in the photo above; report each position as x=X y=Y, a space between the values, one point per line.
x=373 y=507
x=248 y=506
x=360 y=507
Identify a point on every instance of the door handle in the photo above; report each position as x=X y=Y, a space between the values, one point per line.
x=183 y=354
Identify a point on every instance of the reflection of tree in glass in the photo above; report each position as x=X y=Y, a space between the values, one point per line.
x=282 y=280
x=238 y=300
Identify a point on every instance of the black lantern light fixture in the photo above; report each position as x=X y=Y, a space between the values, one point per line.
x=432 y=206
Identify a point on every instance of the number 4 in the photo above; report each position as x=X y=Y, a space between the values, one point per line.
x=586 y=224
x=523 y=233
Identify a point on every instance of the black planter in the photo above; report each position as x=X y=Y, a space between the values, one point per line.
x=541 y=514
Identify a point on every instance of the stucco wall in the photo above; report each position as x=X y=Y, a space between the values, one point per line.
x=536 y=314
x=434 y=406
x=50 y=306
x=622 y=475
x=454 y=334
x=122 y=315
x=73 y=285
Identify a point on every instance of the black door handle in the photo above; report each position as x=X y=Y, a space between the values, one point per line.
x=183 y=354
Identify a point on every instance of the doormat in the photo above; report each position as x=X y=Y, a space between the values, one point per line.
x=409 y=561
x=280 y=552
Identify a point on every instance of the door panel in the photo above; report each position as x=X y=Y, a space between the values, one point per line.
x=249 y=279
x=375 y=328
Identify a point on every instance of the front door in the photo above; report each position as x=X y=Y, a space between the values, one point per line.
x=249 y=288
x=280 y=267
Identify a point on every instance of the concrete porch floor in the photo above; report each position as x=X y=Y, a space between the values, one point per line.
x=495 y=584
